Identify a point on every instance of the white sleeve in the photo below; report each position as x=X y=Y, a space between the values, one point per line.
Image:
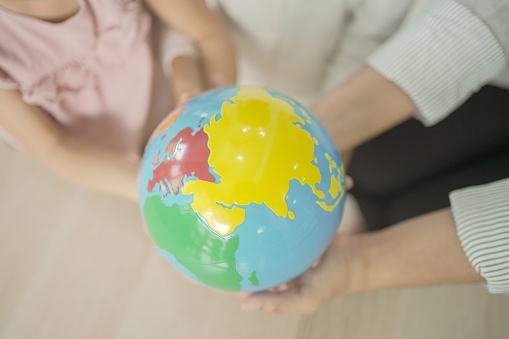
x=445 y=55
x=481 y=214
x=370 y=24
x=173 y=44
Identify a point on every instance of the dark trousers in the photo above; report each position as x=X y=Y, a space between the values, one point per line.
x=410 y=169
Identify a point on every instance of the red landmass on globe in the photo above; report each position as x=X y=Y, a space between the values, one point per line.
x=190 y=156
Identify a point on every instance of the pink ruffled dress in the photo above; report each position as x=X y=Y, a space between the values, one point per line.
x=94 y=73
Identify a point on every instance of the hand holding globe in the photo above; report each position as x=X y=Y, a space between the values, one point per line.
x=241 y=188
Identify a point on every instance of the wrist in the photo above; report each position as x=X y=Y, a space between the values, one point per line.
x=421 y=251
x=219 y=62
x=367 y=263
x=186 y=76
x=358 y=257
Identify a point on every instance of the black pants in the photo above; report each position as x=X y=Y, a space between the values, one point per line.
x=411 y=169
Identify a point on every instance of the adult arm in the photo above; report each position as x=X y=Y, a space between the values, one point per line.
x=456 y=52
x=425 y=70
x=446 y=54
x=464 y=244
x=421 y=251
x=439 y=60
x=70 y=159
x=361 y=108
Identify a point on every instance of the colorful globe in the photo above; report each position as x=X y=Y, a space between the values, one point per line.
x=241 y=189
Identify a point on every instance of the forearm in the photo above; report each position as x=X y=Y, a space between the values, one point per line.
x=446 y=54
x=93 y=168
x=363 y=107
x=196 y=21
x=419 y=252
x=81 y=164
x=218 y=57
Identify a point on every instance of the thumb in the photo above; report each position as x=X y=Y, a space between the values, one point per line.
x=349 y=182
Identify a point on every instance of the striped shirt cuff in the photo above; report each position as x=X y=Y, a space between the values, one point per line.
x=481 y=214
x=440 y=59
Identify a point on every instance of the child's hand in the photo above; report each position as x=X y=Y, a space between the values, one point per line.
x=187 y=79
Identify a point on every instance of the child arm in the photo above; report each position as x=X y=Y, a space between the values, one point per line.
x=180 y=63
x=195 y=20
x=71 y=160
x=186 y=78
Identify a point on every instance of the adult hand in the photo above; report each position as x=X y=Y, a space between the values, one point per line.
x=421 y=251
x=329 y=278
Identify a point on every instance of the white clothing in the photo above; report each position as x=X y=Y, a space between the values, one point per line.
x=302 y=48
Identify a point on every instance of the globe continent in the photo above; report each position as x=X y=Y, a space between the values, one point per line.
x=241 y=189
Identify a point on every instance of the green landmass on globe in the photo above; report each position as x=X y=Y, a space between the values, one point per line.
x=204 y=183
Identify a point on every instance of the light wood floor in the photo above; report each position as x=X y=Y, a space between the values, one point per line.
x=75 y=264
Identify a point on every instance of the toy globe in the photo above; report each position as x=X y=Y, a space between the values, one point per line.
x=241 y=188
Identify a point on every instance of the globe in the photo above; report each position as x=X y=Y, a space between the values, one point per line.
x=241 y=188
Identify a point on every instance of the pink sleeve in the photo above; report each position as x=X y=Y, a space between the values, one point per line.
x=6 y=82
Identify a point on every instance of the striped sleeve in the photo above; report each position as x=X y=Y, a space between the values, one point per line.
x=441 y=58
x=481 y=214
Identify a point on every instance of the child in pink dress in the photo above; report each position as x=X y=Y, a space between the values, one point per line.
x=80 y=89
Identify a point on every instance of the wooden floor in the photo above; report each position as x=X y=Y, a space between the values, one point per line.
x=74 y=264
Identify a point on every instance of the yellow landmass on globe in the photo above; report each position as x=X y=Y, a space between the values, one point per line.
x=335 y=189
x=256 y=148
